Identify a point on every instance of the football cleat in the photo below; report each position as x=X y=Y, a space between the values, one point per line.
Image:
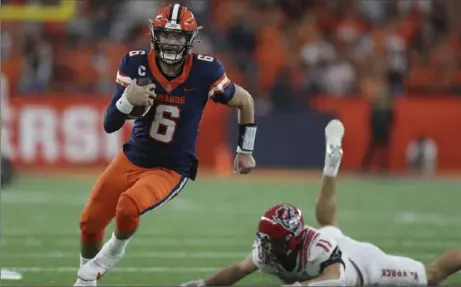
x=82 y=283
x=96 y=268
x=334 y=133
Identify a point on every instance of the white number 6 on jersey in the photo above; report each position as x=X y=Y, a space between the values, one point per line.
x=166 y=117
x=205 y=58
x=135 y=53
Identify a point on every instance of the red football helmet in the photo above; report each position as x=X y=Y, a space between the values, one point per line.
x=280 y=231
x=173 y=32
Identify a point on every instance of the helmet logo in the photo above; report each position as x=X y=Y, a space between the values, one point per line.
x=288 y=217
x=189 y=21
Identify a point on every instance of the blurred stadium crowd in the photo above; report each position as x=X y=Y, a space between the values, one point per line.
x=283 y=51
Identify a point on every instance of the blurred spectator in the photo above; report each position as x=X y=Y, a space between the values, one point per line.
x=421 y=155
x=6 y=45
x=316 y=55
x=376 y=11
x=133 y=14
x=283 y=96
x=381 y=122
x=339 y=77
x=37 y=64
x=328 y=47
x=104 y=76
x=242 y=39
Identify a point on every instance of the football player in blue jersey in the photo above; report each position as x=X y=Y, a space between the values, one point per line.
x=166 y=89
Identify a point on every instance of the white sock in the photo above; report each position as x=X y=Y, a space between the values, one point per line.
x=117 y=246
x=332 y=162
x=331 y=171
x=83 y=260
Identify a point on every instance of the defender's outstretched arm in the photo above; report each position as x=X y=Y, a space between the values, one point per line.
x=227 y=276
x=325 y=208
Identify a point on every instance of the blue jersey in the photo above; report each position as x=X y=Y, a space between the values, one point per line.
x=166 y=136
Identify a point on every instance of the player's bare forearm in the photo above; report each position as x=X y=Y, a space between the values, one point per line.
x=225 y=277
x=325 y=207
x=243 y=102
x=331 y=276
x=232 y=274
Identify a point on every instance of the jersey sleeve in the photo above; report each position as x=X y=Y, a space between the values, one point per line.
x=221 y=89
x=124 y=77
x=324 y=252
x=256 y=255
x=114 y=119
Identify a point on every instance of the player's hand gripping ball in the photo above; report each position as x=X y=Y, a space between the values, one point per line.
x=141 y=95
x=244 y=163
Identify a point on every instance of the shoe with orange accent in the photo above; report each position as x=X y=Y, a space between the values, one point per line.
x=98 y=266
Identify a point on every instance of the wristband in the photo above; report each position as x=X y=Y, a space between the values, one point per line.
x=247 y=136
x=124 y=105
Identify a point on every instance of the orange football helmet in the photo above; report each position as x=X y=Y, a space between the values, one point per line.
x=173 y=32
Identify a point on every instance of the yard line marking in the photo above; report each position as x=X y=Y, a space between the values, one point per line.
x=140 y=242
x=243 y=243
x=166 y=255
x=163 y=255
x=65 y=269
x=73 y=235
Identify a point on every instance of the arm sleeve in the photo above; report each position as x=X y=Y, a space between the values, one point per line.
x=113 y=118
x=222 y=89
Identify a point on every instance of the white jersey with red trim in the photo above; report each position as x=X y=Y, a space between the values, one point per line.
x=317 y=250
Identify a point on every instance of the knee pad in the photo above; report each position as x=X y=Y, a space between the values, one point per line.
x=127 y=214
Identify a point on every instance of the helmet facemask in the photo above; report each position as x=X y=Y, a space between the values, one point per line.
x=280 y=235
x=172 y=45
x=277 y=251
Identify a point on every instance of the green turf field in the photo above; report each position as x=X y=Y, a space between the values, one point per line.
x=212 y=223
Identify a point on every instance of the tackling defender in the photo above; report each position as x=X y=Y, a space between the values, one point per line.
x=160 y=156
x=303 y=256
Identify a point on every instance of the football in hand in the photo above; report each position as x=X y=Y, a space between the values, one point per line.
x=139 y=111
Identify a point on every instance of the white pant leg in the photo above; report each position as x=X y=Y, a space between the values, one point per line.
x=377 y=267
x=399 y=271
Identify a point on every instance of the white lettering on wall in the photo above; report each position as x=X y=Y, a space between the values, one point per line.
x=7 y=131
x=38 y=134
x=80 y=134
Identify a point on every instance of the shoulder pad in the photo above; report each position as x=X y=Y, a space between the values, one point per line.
x=213 y=72
x=134 y=64
x=322 y=247
x=208 y=63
